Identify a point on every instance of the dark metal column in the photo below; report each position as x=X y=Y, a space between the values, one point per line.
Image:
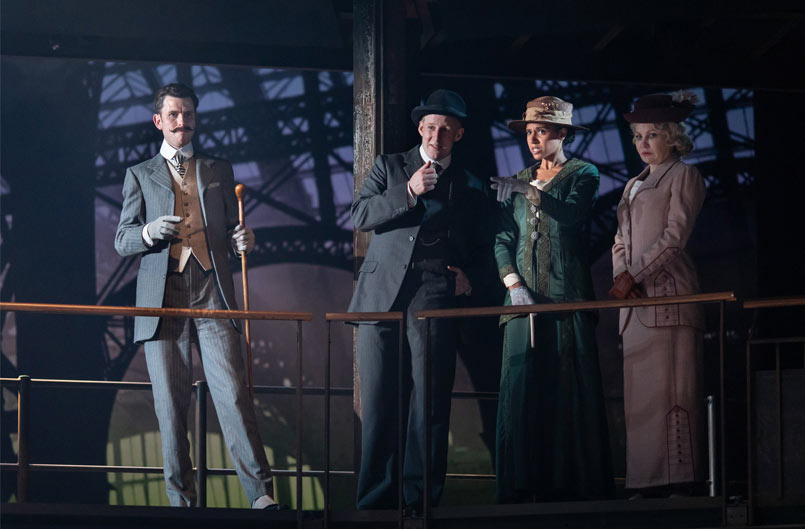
x=379 y=111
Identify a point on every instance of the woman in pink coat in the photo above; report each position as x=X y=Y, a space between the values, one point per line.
x=662 y=345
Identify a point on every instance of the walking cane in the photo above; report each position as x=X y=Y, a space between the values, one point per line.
x=240 y=192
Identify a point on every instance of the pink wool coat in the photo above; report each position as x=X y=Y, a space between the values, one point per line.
x=653 y=230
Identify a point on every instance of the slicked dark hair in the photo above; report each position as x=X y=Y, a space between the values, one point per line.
x=174 y=90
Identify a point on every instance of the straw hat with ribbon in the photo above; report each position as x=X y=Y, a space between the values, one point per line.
x=546 y=109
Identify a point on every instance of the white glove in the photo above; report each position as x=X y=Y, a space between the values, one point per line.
x=506 y=185
x=521 y=296
x=242 y=239
x=164 y=227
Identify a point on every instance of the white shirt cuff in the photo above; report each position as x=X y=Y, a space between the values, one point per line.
x=511 y=279
x=411 y=197
x=147 y=238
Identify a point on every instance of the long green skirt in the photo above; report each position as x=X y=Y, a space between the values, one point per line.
x=552 y=435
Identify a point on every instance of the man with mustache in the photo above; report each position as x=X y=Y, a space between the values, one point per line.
x=180 y=215
x=426 y=215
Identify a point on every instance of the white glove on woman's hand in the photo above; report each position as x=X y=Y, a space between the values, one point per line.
x=521 y=296
x=506 y=185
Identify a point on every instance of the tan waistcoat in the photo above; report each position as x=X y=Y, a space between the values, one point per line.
x=192 y=239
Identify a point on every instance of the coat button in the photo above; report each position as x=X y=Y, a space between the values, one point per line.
x=411 y=238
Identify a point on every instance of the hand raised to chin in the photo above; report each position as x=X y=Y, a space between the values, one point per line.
x=423 y=180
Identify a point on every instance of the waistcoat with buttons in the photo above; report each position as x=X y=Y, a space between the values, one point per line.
x=434 y=231
x=192 y=239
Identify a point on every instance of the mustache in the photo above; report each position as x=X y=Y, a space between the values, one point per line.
x=183 y=129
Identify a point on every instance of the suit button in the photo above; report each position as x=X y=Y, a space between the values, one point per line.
x=405 y=266
x=411 y=238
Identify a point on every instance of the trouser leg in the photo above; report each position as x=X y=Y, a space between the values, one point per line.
x=224 y=369
x=223 y=365
x=378 y=357
x=436 y=292
x=170 y=369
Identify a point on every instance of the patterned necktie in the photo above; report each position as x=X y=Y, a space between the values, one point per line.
x=178 y=163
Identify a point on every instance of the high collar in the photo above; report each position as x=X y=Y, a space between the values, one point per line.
x=169 y=152
x=444 y=162
x=664 y=166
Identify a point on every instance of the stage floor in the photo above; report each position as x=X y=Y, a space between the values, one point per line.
x=697 y=513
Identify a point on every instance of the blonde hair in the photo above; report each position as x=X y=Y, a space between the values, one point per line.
x=677 y=137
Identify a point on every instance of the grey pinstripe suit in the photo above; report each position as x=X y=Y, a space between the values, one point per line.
x=148 y=194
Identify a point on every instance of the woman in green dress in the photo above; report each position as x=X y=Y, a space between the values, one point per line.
x=552 y=435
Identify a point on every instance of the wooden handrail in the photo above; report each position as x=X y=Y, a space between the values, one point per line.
x=710 y=297
x=768 y=303
x=363 y=316
x=110 y=310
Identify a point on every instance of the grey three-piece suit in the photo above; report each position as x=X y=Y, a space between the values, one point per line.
x=148 y=193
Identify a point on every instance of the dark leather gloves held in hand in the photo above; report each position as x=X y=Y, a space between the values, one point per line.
x=625 y=287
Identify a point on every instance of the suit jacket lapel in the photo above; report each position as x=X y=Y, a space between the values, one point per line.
x=413 y=161
x=160 y=173
x=204 y=173
x=627 y=190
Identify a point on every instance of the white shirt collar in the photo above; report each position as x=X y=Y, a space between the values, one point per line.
x=169 y=152
x=444 y=162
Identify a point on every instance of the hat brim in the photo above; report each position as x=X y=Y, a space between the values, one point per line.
x=423 y=110
x=518 y=125
x=658 y=115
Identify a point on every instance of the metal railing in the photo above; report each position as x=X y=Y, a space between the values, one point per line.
x=776 y=344
x=716 y=297
x=25 y=384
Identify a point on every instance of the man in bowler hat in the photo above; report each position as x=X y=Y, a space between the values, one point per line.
x=425 y=212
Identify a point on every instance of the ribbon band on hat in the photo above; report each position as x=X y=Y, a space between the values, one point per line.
x=546 y=109
x=535 y=114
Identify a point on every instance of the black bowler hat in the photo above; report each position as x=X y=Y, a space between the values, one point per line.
x=662 y=108
x=441 y=101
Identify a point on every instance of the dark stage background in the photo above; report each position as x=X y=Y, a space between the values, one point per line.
x=71 y=127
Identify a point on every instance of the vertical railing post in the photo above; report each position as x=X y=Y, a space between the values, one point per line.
x=426 y=484
x=750 y=444
x=299 y=421
x=778 y=383
x=327 y=427
x=711 y=446
x=400 y=423
x=722 y=411
x=201 y=443
x=23 y=420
